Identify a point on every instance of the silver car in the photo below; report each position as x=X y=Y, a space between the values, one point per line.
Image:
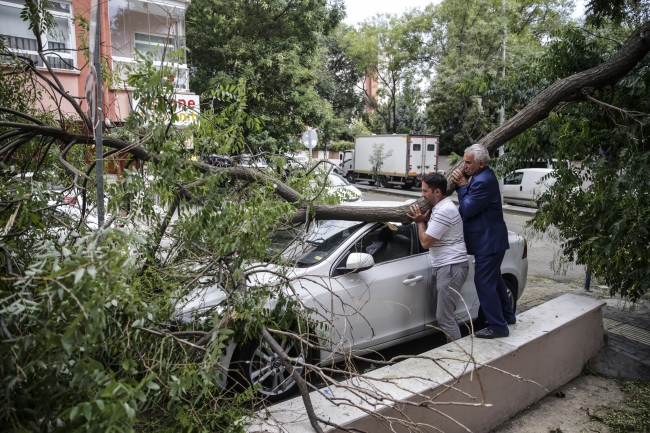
x=368 y=281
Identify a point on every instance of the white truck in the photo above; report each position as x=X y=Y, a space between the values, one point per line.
x=412 y=157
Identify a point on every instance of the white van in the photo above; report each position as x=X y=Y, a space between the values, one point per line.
x=524 y=186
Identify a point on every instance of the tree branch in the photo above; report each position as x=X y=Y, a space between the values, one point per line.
x=302 y=385
x=567 y=89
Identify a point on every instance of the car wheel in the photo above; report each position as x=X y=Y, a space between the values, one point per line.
x=382 y=182
x=350 y=177
x=257 y=365
x=510 y=288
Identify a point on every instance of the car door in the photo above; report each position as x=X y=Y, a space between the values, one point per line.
x=512 y=187
x=464 y=309
x=385 y=302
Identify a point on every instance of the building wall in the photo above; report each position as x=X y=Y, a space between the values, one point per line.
x=136 y=16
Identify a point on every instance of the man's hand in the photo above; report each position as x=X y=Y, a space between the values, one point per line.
x=459 y=178
x=417 y=215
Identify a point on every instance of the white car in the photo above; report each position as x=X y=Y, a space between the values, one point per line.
x=525 y=186
x=247 y=160
x=369 y=281
x=340 y=186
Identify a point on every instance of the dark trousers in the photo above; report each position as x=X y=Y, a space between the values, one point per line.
x=491 y=291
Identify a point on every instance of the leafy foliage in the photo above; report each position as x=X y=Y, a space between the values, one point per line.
x=377 y=159
x=90 y=327
x=273 y=46
x=464 y=42
x=600 y=203
x=637 y=397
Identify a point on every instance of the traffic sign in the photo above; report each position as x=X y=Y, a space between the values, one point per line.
x=310 y=139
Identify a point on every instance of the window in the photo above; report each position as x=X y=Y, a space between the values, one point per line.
x=431 y=147
x=58 y=43
x=386 y=245
x=417 y=147
x=513 y=179
x=155 y=44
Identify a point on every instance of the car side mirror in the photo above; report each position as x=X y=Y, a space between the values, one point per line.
x=358 y=262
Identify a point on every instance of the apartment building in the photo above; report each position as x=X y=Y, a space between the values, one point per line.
x=155 y=26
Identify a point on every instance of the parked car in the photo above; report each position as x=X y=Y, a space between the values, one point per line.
x=368 y=280
x=338 y=185
x=296 y=161
x=246 y=160
x=217 y=160
x=525 y=186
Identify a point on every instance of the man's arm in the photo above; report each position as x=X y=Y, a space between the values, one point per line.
x=420 y=219
x=426 y=240
x=472 y=204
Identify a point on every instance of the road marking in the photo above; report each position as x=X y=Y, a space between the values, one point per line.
x=634 y=333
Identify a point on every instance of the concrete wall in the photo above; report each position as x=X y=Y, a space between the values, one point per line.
x=546 y=349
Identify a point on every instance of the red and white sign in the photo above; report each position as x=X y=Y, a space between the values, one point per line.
x=186 y=109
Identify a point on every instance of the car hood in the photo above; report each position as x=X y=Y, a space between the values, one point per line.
x=208 y=297
x=198 y=301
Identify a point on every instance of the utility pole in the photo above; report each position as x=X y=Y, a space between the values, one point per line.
x=99 y=148
x=502 y=111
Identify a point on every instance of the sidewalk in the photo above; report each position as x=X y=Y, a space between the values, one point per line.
x=415 y=193
x=626 y=355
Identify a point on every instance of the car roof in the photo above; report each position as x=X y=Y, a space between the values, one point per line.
x=535 y=170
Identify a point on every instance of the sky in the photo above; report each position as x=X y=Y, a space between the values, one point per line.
x=360 y=10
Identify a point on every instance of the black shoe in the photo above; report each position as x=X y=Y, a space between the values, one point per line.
x=488 y=333
x=512 y=322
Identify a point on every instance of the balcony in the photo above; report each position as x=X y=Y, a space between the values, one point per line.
x=181 y=75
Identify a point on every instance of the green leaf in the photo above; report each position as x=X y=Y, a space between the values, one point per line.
x=78 y=274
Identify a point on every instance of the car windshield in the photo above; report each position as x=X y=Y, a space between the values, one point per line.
x=306 y=249
x=337 y=180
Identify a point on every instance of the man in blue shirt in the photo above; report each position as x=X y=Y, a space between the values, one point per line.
x=486 y=237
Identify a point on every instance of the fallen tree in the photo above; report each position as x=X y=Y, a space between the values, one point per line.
x=104 y=296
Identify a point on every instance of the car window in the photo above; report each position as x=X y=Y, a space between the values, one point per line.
x=337 y=180
x=513 y=179
x=386 y=245
x=431 y=147
x=417 y=147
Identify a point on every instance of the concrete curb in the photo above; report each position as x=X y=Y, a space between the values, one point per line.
x=398 y=192
x=547 y=347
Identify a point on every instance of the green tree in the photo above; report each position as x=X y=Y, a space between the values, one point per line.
x=377 y=159
x=382 y=51
x=338 y=83
x=463 y=42
x=273 y=46
x=600 y=203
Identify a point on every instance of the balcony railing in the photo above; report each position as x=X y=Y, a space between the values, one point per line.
x=181 y=75
x=29 y=48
